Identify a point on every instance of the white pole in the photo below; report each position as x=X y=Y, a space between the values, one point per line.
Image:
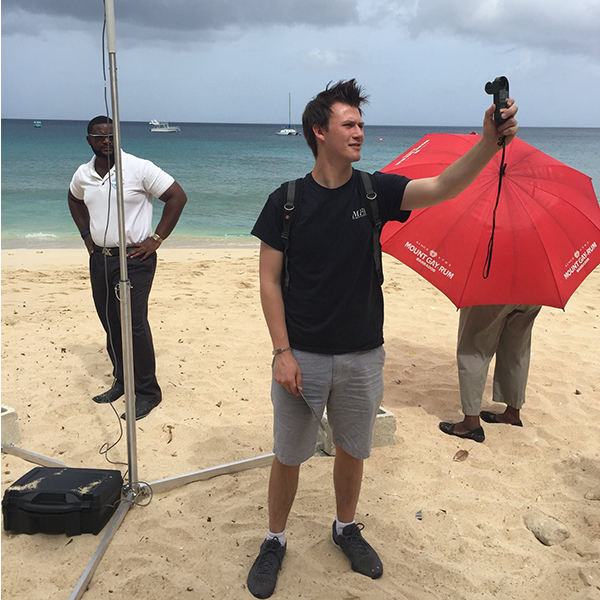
x=124 y=284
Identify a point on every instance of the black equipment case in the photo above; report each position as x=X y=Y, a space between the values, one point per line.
x=62 y=500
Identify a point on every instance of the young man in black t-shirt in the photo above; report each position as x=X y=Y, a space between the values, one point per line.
x=327 y=331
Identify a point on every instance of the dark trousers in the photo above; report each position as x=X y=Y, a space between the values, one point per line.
x=105 y=275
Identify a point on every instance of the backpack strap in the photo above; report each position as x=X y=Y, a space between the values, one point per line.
x=371 y=195
x=292 y=191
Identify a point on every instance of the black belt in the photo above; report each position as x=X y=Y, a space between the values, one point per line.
x=109 y=251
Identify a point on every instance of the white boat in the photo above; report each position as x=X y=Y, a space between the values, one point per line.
x=163 y=127
x=289 y=130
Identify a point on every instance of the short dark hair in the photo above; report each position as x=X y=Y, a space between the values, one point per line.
x=318 y=110
x=101 y=120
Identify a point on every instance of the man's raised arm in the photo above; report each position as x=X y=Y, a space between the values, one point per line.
x=429 y=191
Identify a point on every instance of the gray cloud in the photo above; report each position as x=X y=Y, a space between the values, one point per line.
x=327 y=58
x=167 y=20
x=554 y=25
x=571 y=27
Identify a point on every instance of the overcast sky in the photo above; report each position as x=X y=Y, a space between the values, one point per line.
x=423 y=62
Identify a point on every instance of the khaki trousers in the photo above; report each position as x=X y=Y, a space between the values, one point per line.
x=503 y=330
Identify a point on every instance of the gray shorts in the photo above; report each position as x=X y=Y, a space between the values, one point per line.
x=350 y=385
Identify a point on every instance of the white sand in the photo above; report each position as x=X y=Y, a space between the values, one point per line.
x=213 y=354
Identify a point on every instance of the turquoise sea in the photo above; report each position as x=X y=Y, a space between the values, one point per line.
x=227 y=171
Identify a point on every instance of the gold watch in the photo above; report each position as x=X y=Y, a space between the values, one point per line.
x=157 y=238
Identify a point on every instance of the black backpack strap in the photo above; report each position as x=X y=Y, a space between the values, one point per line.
x=371 y=196
x=292 y=191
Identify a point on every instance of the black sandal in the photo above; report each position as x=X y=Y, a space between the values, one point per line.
x=477 y=435
x=490 y=417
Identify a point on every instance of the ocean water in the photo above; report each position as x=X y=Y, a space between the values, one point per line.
x=227 y=171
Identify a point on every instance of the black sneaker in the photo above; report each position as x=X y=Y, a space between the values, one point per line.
x=263 y=574
x=115 y=392
x=363 y=558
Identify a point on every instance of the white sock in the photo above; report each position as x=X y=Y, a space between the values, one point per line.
x=339 y=526
x=277 y=536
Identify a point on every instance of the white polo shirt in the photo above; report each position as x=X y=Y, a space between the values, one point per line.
x=142 y=181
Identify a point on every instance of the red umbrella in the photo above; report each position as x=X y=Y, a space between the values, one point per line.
x=546 y=228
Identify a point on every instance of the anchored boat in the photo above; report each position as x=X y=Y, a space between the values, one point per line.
x=163 y=127
x=289 y=130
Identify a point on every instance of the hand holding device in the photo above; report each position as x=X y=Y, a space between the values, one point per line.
x=499 y=88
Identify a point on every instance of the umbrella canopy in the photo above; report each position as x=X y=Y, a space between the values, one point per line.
x=546 y=234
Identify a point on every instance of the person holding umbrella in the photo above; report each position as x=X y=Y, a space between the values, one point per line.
x=503 y=330
x=326 y=322
x=524 y=235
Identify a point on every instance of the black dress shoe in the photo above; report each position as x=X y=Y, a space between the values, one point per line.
x=142 y=409
x=490 y=417
x=115 y=392
x=477 y=435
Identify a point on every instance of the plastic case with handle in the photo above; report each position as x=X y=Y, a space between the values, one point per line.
x=62 y=500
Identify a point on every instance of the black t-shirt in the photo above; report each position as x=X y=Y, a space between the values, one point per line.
x=334 y=304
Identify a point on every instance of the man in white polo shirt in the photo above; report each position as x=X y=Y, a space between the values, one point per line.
x=93 y=204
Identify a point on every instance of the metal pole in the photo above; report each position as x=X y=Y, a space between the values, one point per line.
x=32 y=457
x=170 y=483
x=112 y=529
x=124 y=283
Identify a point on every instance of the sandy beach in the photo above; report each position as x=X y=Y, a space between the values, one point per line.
x=213 y=356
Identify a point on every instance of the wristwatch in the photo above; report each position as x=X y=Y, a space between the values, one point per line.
x=157 y=238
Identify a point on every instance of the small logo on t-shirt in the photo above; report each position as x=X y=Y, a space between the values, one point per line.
x=359 y=214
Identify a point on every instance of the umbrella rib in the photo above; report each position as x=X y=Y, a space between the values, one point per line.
x=473 y=259
x=560 y=297
x=551 y=216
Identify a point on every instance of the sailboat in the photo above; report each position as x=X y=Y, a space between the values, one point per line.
x=163 y=127
x=289 y=130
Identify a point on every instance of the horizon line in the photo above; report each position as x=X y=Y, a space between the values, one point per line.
x=277 y=124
